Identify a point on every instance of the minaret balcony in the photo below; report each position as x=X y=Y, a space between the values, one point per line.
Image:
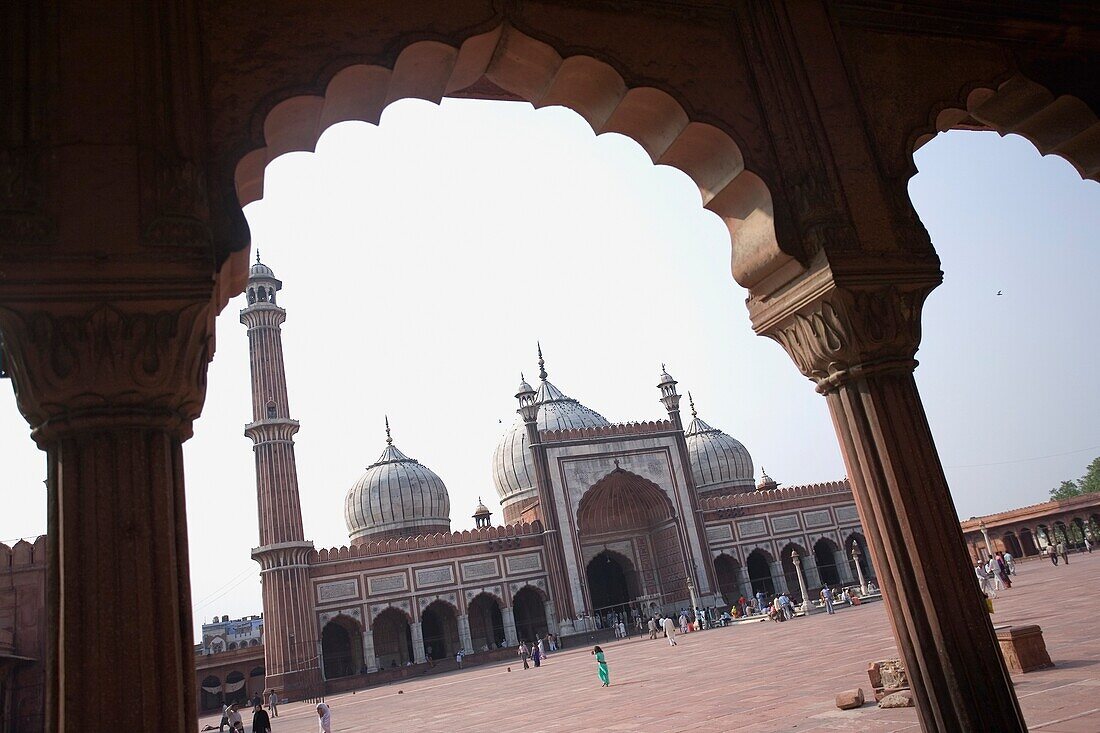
x=271 y=430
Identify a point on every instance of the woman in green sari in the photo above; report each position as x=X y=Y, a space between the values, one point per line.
x=601 y=666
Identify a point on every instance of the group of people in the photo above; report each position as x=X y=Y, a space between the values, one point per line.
x=261 y=721
x=537 y=651
x=995 y=573
x=1059 y=551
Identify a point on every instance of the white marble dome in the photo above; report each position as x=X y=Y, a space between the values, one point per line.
x=396 y=497
x=718 y=461
x=513 y=468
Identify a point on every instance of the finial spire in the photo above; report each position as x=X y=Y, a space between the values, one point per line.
x=663 y=369
x=257 y=255
x=542 y=364
x=691 y=402
x=389 y=438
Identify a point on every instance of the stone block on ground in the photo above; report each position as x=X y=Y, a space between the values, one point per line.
x=850 y=699
x=1023 y=648
x=902 y=699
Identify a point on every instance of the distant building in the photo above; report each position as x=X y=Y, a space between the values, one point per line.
x=600 y=518
x=1030 y=530
x=224 y=634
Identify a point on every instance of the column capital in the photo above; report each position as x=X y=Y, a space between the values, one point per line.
x=843 y=323
x=80 y=365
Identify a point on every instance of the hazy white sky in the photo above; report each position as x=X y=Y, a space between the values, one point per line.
x=423 y=258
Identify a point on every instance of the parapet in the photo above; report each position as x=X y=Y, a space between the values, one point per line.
x=428 y=542
x=622 y=429
x=23 y=554
x=784 y=493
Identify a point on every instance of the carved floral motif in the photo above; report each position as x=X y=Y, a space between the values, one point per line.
x=150 y=366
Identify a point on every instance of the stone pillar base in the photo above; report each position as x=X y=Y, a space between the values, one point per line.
x=1023 y=648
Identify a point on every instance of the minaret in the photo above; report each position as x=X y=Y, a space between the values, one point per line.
x=290 y=641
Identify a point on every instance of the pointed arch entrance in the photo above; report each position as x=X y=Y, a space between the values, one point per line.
x=486 y=622
x=440 y=627
x=825 y=554
x=392 y=638
x=759 y=564
x=341 y=647
x=631 y=541
x=727 y=569
x=529 y=611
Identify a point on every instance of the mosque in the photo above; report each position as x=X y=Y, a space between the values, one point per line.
x=598 y=517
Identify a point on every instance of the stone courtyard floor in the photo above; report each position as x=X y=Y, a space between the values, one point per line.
x=753 y=677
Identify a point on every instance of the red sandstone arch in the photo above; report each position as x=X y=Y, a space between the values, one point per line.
x=507 y=64
x=1060 y=125
x=622 y=500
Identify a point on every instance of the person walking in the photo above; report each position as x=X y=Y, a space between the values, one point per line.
x=994 y=574
x=670 y=630
x=536 y=655
x=225 y=718
x=542 y=649
x=261 y=723
x=524 y=654
x=1052 y=553
x=622 y=630
x=1063 y=552
x=652 y=629
x=273 y=703
x=984 y=581
x=1010 y=562
x=827 y=597
x=324 y=718
x=458 y=658
x=1002 y=569
x=235 y=722
x=601 y=666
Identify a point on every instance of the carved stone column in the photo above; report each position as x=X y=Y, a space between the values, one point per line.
x=369 y=658
x=110 y=392
x=779 y=578
x=843 y=569
x=855 y=334
x=509 y=626
x=464 y=637
x=419 y=657
x=744 y=584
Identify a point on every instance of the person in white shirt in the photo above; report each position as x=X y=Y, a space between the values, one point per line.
x=994 y=574
x=670 y=630
x=984 y=581
x=324 y=718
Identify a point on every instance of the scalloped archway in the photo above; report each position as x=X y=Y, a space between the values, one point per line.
x=1056 y=125
x=507 y=64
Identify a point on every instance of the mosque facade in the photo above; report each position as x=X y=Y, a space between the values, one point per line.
x=599 y=517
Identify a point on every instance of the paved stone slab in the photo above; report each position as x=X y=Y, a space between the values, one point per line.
x=760 y=677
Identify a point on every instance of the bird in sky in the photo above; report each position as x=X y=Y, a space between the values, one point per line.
x=999 y=293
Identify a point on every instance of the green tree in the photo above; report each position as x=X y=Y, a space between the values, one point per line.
x=1087 y=484
x=1090 y=482
x=1067 y=490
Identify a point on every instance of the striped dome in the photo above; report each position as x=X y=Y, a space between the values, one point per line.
x=719 y=462
x=396 y=497
x=513 y=468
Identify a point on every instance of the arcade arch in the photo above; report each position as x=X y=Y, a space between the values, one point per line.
x=790 y=572
x=439 y=623
x=759 y=565
x=342 y=647
x=392 y=633
x=486 y=622
x=529 y=612
x=235 y=688
x=727 y=570
x=211 y=695
x=825 y=557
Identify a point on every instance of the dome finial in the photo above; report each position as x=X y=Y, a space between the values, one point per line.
x=542 y=364
x=691 y=402
x=257 y=255
x=389 y=438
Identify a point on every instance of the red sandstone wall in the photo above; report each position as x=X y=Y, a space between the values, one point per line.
x=22 y=632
